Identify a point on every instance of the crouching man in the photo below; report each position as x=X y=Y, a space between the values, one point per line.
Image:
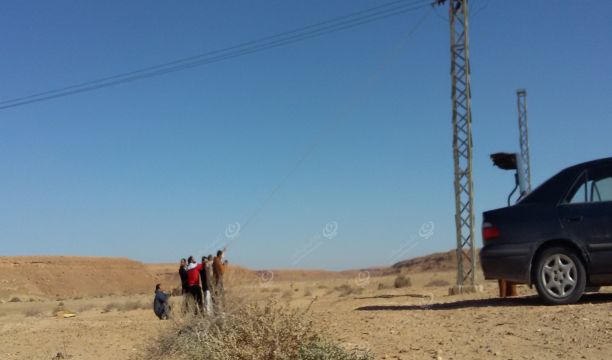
x=161 y=304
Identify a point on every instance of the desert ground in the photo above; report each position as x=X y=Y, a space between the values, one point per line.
x=360 y=309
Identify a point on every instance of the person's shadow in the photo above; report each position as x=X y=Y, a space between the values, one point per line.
x=483 y=303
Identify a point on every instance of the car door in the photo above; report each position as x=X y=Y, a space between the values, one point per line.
x=586 y=215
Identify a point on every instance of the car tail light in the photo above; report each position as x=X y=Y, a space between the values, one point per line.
x=489 y=231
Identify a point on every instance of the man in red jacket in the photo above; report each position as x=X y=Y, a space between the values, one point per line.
x=193 y=283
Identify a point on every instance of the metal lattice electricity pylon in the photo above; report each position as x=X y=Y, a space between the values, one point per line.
x=462 y=145
x=521 y=102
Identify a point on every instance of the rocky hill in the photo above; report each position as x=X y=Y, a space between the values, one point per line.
x=68 y=276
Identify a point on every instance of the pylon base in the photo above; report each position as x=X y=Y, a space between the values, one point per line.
x=465 y=289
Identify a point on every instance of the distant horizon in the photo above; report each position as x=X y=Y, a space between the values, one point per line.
x=230 y=263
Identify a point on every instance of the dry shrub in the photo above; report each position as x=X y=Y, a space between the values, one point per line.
x=86 y=307
x=110 y=307
x=383 y=286
x=437 y=283
x=402 y=281
x=15 y=299
x=346 y=289
x=135 y=305
x=250 y=332
x=31 y=312
x=58 y=308
x=177 y=291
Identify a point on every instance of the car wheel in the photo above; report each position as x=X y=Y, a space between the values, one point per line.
x=560 y=276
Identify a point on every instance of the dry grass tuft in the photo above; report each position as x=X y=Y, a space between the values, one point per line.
x=125 y=306
x=58 y=308
x=15 y=299
x=437 y=283
x=271 y=289
x=31 y=312
x=402 y=281
x=86 y=307
x=250 y=331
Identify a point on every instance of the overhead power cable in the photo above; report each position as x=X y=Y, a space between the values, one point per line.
x=284 y=38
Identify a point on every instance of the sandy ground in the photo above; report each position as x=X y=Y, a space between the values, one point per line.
x=92 y=334
x=416 y=322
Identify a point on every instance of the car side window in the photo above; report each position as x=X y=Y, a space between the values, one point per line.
x=579 y=196
x=601 y=190
x=593 y=186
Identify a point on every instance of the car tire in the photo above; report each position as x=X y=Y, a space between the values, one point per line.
x=560 y=276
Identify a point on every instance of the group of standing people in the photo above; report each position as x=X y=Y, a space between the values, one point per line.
x=202 y=284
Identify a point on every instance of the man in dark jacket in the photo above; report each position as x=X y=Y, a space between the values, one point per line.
x=183 y=274
x=161 y=305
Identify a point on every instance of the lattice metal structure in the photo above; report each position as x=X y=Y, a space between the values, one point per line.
x=462 y=144
x=521 y=102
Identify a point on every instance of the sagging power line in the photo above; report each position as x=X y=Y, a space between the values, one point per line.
x=322 y=28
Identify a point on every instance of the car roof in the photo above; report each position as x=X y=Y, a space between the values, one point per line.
x=591 y=163
x=548 y=191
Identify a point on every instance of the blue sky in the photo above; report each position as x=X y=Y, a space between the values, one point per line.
x=156 y=169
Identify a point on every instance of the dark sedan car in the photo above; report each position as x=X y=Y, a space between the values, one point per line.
x=559 y=237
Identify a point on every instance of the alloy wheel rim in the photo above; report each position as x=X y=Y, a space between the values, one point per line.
x=559 y=275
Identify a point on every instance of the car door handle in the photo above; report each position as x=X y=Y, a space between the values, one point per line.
x=573 y=219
